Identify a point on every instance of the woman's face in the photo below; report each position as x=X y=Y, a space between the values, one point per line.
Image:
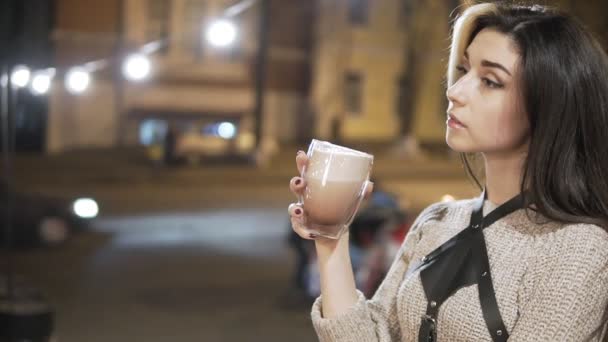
x=485 y=99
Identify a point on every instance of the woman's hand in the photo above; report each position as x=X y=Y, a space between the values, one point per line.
x=297 y=185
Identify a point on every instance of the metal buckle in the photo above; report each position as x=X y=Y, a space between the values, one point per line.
x=429 y=318
x=428 y=328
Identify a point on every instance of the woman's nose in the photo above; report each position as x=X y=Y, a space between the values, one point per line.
x=454 y=93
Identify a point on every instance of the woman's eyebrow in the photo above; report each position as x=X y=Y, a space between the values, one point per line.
x=490 y=64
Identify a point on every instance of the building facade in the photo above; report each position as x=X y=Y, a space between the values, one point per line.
x=343 y=70
x=362 y=75
x=190 y=81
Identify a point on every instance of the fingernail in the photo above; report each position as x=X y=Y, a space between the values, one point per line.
x=313 y=236
x=297 y=211
x=300 y=151
x=298 y=181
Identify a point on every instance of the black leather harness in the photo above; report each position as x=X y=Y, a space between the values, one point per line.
x=463 y=261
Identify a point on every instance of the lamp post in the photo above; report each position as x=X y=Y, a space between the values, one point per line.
x=24 y=316
x=260 y=76
x=222 y=33
x=119 y=86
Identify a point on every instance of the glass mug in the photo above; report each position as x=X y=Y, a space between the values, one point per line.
x=336 y=178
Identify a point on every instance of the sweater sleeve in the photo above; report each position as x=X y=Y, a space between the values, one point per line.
x=570 y=295
x=375 y=319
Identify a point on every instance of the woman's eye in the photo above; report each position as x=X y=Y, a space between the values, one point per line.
x=486 y=81
x=491 y=84
x=461 y=69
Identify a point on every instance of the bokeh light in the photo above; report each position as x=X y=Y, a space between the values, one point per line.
x=77 y=80
x=221 y=33
x=137 y=67
x=41 y=82
x=20 y=76
x=226 y=130
x=86 y=208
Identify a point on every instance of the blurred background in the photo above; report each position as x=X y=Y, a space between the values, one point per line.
x=147 y=147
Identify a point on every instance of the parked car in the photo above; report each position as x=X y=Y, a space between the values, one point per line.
x=42 y=220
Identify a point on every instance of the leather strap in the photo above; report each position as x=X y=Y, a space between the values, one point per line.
x=428 y=324
x=487 y=296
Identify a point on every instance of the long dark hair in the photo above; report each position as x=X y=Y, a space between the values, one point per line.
x=564 y=78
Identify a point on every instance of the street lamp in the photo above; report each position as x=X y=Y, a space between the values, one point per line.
x=20 y=76
x=137 y=67
x=226 y=130
x=221 y=33
x=41 y=82
x=77 y=80
x=85 y=208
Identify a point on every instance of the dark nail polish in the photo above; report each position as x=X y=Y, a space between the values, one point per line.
x=313 y=236
x=297 y=211
x=298 y=181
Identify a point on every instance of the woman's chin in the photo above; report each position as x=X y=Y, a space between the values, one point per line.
x=459 y=146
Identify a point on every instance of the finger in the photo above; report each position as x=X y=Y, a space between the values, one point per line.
x=369 y=189
x=296 y=210
x=296 y=215
x=297 y=185
x=301 y=230
x=301 y=161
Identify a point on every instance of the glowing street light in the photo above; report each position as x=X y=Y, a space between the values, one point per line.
x=137 y=67
x=41 y=82
x=221 y=33
x=77 y=80
x=226 y=130
x=20 y=76
x=85 y=208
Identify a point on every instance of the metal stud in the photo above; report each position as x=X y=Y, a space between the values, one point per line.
x=433 y=303
x=484 y=274
x=499 y=332
x=475 y=226
x=424 y=258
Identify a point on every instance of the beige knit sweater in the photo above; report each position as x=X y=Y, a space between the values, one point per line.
x=550 y=279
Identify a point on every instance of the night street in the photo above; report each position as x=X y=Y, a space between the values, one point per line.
x=168 y=261
x=212 y=276
x=150 y=151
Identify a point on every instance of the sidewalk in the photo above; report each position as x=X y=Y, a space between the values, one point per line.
x=130 y=166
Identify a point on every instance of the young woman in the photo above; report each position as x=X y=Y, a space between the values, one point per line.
x=528 y=259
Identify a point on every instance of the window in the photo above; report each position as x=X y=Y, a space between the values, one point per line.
x=157 y=25
x=358 y=11
x=353 y=93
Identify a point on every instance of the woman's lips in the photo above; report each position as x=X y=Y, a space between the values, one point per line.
x=454 y=123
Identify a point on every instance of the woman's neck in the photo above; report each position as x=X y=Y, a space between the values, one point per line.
x=503 y=176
